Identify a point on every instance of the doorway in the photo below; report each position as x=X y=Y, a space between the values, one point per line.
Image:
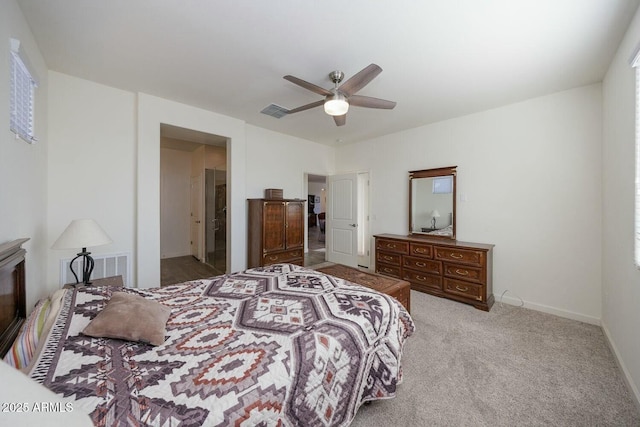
x=316 y=212
x=193 y=205
x=216 y=218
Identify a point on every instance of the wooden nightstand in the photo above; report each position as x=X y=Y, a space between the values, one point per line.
x=107 y=281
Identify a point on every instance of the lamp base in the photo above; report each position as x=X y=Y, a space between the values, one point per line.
x=87 y=266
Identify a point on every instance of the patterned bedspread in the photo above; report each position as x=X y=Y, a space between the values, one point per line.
x=280 y=345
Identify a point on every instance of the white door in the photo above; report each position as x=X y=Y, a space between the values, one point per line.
x=196 y=217
x=342 y=219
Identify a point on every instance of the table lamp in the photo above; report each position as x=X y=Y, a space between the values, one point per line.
x=81 y=233
x=434 y=214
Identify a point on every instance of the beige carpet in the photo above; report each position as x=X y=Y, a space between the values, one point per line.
x=508 y=367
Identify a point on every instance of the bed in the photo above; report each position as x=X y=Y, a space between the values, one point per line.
x=277 y=345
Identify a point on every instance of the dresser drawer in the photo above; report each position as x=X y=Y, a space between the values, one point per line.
x=388 y=258
x=388 y=270
x=392 y=246
x=279 y=257
x=462 y=256
x=463 y=289
x=422 y=265
x=423 y=279
x=464 y=272
x=420 y=249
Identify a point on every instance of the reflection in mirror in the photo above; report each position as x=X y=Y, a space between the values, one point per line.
x=432 y=202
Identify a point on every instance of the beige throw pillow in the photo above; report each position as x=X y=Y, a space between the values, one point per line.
x=130 y=317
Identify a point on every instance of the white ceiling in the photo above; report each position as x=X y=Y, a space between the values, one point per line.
x=441 y=58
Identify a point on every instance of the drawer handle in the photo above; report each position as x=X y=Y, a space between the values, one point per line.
x=456 y=256
x=388 y=270
x=421 y=264
x=388 y=258
x=420 y=250
x=391 y=246
x=421 y=278
x=462 y=272
x=465 y=289
x=273 y=258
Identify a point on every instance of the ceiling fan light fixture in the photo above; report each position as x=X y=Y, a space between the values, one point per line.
x=336 y=105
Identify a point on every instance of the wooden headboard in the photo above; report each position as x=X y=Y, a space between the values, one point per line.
x=13 y=310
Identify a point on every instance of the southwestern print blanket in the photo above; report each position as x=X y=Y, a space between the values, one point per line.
x=280 y=345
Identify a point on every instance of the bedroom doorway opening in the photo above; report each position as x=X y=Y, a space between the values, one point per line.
x=193 y=205
x=216 y=218
x=316 y=212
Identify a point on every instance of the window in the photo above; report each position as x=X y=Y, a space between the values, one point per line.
x=443 y=185
x=23 y=87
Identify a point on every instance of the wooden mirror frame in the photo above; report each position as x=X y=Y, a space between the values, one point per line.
x=433 y=173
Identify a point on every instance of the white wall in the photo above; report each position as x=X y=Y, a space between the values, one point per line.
x=175 y=202
x=275 y=160
x=91 y=160
x=23 y=167
x=215 y=157
x=531 y=174
x=620 y=278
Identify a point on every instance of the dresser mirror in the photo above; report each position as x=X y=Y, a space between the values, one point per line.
x=432 y=202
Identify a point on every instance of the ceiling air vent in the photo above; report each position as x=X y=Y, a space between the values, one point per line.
x=274 y=110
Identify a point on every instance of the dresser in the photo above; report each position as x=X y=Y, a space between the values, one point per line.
x=460 y=271
x=276 y=231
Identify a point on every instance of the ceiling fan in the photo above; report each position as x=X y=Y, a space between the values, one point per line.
x=337 y=100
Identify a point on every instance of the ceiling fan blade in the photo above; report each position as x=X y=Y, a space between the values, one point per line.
x=306 y=107
x=340 y=120
x=370 y=102
x=360 y=80
x=309 y=86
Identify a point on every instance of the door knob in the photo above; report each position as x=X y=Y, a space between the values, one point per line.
x=353 y=225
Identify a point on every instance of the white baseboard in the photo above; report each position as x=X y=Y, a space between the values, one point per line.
x=635 y=394
x=547 y=309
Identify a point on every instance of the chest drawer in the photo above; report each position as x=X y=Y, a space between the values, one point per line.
x=421 y=264
x=463 y=289
x=420 y=249
x=461 y=256
x=425 y=280
x=388 y=258
x=392 y=246
x=285 y=256
x=464 y=272
x=389 y=270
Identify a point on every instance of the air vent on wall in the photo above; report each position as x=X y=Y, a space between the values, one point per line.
x=106 y=265
x=274 y=110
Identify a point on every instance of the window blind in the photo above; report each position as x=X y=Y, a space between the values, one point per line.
x=635 y=62
x=637 y=177
x=21 y=109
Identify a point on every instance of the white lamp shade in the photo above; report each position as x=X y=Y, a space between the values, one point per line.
x=82 y=233
x=336 y=105
x=435 y=214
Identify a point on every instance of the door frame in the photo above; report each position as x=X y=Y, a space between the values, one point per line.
x=197 y=203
